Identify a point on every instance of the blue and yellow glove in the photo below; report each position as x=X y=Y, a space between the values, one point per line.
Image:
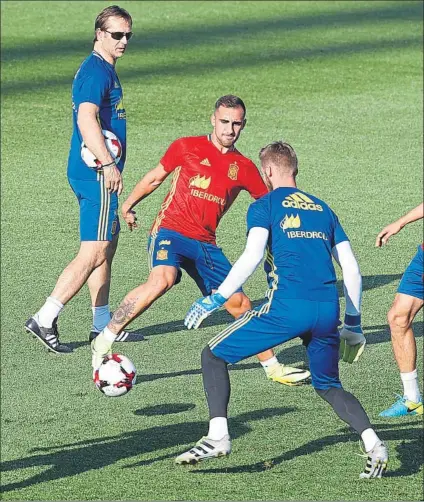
x=352 y=339
x=203 y=308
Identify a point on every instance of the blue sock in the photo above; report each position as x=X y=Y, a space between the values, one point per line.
x=101 y=318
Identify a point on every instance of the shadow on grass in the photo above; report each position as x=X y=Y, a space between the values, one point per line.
x=71 y=459
x=272 y=57
x=164 y=409
x=175 y=38
x=381 y=333
x=409 y=451
x=291 y=355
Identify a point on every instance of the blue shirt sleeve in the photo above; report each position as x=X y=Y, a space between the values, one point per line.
x=91 y=87
x=258 y=214
x=339 y=235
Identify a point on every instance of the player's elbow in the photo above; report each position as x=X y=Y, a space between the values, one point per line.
x=353 y=277
x=154 y=182
x=350 y=269
x=252 y=257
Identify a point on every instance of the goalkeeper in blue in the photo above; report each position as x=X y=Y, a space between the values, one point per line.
x=300 y=234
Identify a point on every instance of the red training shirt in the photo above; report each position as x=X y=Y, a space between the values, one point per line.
x=205 y=184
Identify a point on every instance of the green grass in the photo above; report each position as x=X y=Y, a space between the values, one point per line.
x=342 y=82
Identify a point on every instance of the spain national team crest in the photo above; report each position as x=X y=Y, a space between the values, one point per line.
x=162 y=254
x=233 y=171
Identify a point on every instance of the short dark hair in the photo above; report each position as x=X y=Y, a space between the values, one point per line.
x=111 y=11
x=230 y=101
x=281 y=154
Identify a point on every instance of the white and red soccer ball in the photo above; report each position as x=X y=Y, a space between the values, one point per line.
x=115 y=376
x=112 y=144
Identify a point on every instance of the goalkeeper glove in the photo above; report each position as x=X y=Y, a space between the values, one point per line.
x=352 y=339
x=203 y=308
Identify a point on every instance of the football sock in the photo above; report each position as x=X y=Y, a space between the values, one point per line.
x=347 y=407
x=218 y=428
x=101 y=318
x=410 y=386
x=48 y=312
x=270 y=365
x=269 y=362
x=369 y=438
x=216 y=382
x=108 y=335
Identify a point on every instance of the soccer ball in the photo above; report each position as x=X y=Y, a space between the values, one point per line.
x=112 y=144
x=115 y=376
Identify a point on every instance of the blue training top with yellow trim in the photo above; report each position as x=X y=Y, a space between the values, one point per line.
x=96 y=82
x=302 y=232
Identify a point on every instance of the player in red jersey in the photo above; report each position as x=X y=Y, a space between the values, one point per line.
x=208 y=174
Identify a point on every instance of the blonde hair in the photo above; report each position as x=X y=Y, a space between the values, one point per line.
x=281 y=155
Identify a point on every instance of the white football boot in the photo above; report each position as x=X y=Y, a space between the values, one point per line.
x=205 y=448
x=377 y=459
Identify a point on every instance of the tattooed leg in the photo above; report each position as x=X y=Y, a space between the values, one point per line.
x=123 y=315
x=160 y=280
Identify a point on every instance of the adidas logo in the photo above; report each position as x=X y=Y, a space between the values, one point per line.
x=290 y=222
x=299 y=200
x=200 y=182
x=205 y=162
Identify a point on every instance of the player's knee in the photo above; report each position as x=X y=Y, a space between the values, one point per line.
x=329 y=393
x=238 y=304
x=161 y=282
x=398 y=320
x=209 y=359
x=92 y=254
x=322 y=393
x=206 y=355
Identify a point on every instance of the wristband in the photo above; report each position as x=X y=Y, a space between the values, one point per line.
x=113 y=163
x=219 y=299
x=352 y=320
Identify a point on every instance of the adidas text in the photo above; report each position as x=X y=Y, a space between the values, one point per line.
x=308 y=206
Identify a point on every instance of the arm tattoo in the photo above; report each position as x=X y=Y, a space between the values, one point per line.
x=123 y=314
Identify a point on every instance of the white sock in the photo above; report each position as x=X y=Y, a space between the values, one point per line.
x=269 y=362
x=218 y=428
x=370 y=438
x=48 y=312
x=410 y=386
x=270 y=365
x=108 y=335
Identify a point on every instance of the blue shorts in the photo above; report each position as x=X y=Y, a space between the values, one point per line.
x=278 y=321
x=204 y=262
x=98 y=209
x=412 y=280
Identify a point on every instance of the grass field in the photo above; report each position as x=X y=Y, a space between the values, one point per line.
x=342 y=82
